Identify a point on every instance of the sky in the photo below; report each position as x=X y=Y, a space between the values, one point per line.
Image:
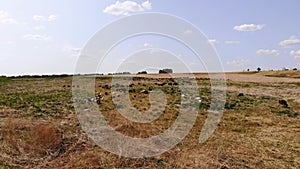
x=47 y=37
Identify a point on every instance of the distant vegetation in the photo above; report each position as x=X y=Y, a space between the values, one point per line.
x=286 y=73
x=165 y=71
x=3 y=78
x=41 y=76
x=258 y=69
x=120 y=73
x=142 y=72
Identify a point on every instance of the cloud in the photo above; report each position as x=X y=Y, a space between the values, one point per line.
x=52 y=18
x=127 y=7
x=39 y=18
x=295 y=54
x=147 y=45
x=240 y=63
x=5 y=19
x=71 y=50
x=267 y=52
x=232 y=42
x=293 y=40
x=37 y=37
x=49 y=18
x=248 y=27
x=10 y=42
x=188 y=32
x=3 y=14
x=212 y=41
x=40 y=27
x=147 y=5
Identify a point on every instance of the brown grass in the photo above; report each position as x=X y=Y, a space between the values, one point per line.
x=24 y=140
x=41 y=130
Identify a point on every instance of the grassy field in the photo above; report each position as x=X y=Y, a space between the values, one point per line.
x=40 y=129
x=287 y=73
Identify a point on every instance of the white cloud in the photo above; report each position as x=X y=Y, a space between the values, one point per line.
x=71 y=50
x=293 y=40
x=5 y=19
x=8 y=21
x=52 y=18
x=127 y=7
x=45 y=18
x=232 y=42
x=75 y=50
x=212 y=41
x=39 y=18
x=7 y=43
x=40 y=27
x=248 y=27
x=267 y=52
x=3 y=14
x=147 y=45
x=240 y=63
x=188 y=32
x=295 y=54
x=10 y=42
x=37 y=37
x=147 y=5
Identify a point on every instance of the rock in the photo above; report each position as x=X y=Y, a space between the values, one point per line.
x=99 y=98
x=198 y=99
x=145 y=92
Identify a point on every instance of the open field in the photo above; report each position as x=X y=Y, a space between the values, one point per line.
x=40 y=129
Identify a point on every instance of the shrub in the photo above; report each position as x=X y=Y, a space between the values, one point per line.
x=165 y=71
x=143 y=72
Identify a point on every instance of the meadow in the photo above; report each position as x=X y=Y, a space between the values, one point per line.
x=39 y=127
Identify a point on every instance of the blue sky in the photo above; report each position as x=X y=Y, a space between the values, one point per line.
x=46 y=37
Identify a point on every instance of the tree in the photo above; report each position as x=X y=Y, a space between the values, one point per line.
x=165 y=71
x=258 y=69
x=143 y=72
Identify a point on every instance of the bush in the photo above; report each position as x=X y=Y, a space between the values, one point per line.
x=143 y=72
x=165 y=71
x=258 y=69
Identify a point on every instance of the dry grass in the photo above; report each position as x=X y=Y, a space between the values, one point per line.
x=26 y=142
x=286 y=73
x=39 y=128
